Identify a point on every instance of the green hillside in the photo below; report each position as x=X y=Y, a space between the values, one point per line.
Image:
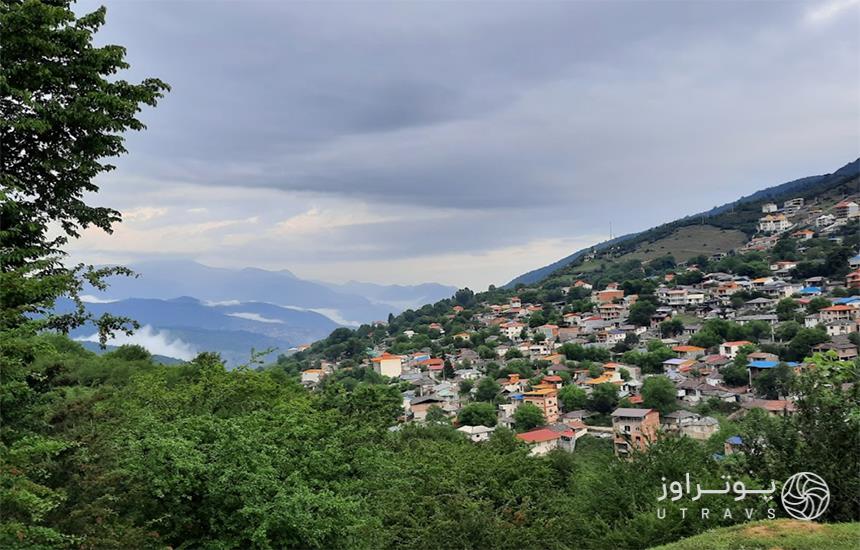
x=782 y=534
x=741 y=215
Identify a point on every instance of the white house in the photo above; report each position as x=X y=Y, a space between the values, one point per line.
x=477 y=434
x=388 y=365
x=730 y=349
x=773 y=223
x=824 y=220
x=768 y=208
x=847 y=209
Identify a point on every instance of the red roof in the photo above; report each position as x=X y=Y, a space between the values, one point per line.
x=838 y=308
x=687 y=348
x=543 y=434
x=385 y=356
x=737 y=343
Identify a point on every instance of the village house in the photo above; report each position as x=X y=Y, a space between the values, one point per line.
x=566 y=334
x=477 y=434
x=582 y=284
x=420 y=405
x=852 y=280
x=825 y=220
x=388 y=365
x=543 y=440
x=838 y=313
x=791 y=206
x=769 y=208
x=757 y=366
x=688 y=352
x=773 y=223
x=312 y=377
x=512 y=329
x=701 y=429
x=608 y=295
x=633 y=429
x=610 y=311
x=546 y=399
x=774 y=407
x=845 y=351
x=730 y=349
x=550 y=332
x=847 y=209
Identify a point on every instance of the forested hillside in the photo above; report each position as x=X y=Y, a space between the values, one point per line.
x=320 y=450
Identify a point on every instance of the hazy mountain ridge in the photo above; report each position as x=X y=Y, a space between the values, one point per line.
x=181 y=327
x=353 y=301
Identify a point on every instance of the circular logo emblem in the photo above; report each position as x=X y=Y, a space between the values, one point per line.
x=805 y=496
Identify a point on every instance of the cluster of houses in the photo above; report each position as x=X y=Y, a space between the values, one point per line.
x=694 y=371
x=794 y=212
x=436 y=382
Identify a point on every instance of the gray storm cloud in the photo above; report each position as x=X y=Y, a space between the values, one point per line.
x=466 y=129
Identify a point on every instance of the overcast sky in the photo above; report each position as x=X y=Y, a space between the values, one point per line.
x=463 y=143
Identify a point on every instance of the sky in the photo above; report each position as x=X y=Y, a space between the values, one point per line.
x=462 y=143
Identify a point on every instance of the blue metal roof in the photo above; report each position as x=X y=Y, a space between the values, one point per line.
x=811 y=290
x=769 y=364
x=735 y=440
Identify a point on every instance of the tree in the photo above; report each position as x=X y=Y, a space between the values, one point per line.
x=513 y=353
x=817 y=304
x=436 y=415
x=572 y=398
x=594 y=370
x=478 y=414
x=466 y=387
x=735 y=375
x=705 y=338
x=785 y=309
x=658 y=392
x=464 y=297
x=64 y=114
x=487 y=390
x=485 y=352
x=671 y=328
x=641 y=312
x=774 y=383
x=801 y=345
x=787 y=330
x=604 y=398
x=528 y=416
x=447 y=369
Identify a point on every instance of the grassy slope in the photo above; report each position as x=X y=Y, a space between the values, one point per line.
x=782 y=534
x=687 y=242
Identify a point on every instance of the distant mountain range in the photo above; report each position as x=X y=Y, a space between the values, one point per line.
x=185 y=307
x=182 y=327
x=349 y=304
x=807 y=185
